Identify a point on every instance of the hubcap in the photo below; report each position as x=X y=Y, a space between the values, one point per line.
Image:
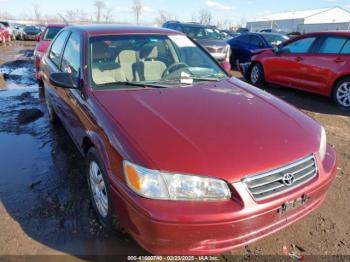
x=98 y=189
x=343 y=94
x=254 y=75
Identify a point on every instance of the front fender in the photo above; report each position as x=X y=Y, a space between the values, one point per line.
x=98 y=143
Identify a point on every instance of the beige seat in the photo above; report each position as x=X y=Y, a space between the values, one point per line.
x=150 y=68
x=104 y=68
x=126 y=59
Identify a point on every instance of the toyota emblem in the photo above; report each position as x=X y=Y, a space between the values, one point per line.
x=288 y=179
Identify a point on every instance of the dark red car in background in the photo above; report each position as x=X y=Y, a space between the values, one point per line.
x=43 y=43
x=187 y=159
x=316 y=62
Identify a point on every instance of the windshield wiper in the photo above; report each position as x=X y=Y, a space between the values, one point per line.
x=144 y=85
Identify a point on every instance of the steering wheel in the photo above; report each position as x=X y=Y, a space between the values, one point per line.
x=174 y=67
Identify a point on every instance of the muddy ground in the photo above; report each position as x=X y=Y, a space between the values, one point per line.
x=45 y=207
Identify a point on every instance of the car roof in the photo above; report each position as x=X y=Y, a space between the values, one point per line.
x=108 y=29
x=56 y=25
x=263 y=34
x=193 y=24
x=342 y=33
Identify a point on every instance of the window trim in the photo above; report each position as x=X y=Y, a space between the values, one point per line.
x=311 y=49
x=63 y=48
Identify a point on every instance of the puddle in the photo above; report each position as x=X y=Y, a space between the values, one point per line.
x=42 y=182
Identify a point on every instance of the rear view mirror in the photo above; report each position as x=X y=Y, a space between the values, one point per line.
x=64 y=80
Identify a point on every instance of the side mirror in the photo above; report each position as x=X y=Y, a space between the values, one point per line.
x=64 y=80
x=277 y=50
x=38 y=38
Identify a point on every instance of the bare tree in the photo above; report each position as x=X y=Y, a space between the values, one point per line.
x=100 y=5
x=37 y=12
x=162 y=17
x=137 y=9
x=205 y=17
x=72 y=15
x=194 y=18
x=108 y=15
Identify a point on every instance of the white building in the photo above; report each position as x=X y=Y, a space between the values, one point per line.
x=334 y=18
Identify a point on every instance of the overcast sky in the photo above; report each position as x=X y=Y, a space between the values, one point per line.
x=233 y=10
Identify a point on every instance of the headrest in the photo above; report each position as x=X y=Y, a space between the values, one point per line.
x=149 y=52
x=127 y=56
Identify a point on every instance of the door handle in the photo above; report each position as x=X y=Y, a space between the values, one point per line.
x=298 y=59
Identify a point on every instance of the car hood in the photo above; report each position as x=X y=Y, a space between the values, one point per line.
x=227 y=130
x=42 y=46
x=212 y=42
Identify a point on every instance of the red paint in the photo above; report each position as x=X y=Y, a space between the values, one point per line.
x=312 y=72
x=224 y=130
x=42 y=46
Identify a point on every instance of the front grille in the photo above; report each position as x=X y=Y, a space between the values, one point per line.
x=216 y=49
x=283 y=179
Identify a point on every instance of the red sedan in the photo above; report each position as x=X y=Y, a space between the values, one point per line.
x=317 y=63
x=43 y=44
x=187 y=159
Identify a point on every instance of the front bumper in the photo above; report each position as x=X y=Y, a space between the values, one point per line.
x=192 y=228
x=29 y=37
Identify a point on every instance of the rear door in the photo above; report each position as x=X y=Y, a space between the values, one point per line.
x=324 y=64
x=286 y=68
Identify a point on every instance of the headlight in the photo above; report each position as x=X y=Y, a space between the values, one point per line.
x=178 y=187
x=323 y=144
x=227 y=53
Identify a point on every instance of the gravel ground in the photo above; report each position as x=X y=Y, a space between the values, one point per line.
x=44 y=206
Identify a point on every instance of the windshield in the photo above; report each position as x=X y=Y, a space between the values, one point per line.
x=197 y=32
x=51 y=32
x=149 y=60
x=275 y=40
x=31 y=29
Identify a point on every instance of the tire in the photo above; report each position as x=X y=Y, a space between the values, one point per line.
x=50 y=111
x=99 y=188
x=341 y=93
x=256 y=75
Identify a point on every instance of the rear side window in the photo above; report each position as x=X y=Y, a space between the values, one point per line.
x=301 y=46
x=346 y=48
x=71 y=56
x=51 y=32
x=332 y=45
x=57 y=48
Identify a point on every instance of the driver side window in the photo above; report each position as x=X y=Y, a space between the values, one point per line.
x=71 y=56
x=301 y=46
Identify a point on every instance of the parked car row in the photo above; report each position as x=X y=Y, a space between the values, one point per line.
x=13 y=31
x=176 y=147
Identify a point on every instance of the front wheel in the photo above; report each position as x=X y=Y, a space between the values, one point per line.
x=341 y=93
x=99 y=188
x=256 y=76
